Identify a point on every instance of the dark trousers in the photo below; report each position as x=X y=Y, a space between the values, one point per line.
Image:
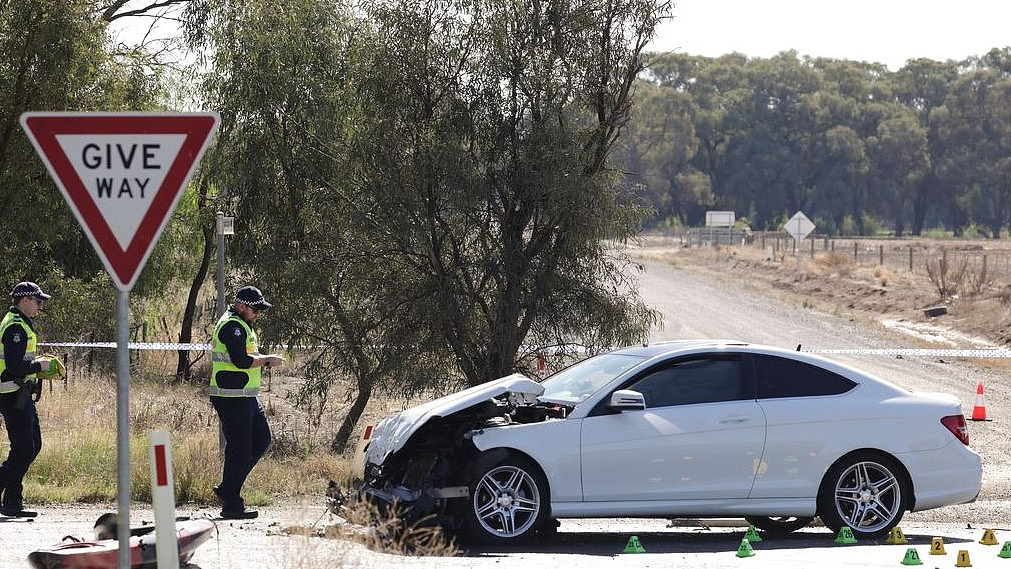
x=25 y=435
x=247 y=436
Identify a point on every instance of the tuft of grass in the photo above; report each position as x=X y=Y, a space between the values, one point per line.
x=883 y=275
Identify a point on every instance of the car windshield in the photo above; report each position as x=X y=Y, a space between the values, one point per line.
x=577 y=382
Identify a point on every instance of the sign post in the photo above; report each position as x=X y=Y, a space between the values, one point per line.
x=122 y=175
x=799 y=226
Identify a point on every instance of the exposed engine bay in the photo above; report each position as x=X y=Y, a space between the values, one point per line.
x=435 y=464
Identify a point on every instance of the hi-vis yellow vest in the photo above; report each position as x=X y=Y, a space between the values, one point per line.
x=12 y=319
x=220 y=361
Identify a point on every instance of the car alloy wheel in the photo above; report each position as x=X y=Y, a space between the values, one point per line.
x=864 y=492
x=507 y=502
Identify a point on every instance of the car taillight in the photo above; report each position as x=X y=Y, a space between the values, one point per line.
x=956 y=424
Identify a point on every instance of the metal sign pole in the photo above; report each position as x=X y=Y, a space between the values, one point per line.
x=123 y=424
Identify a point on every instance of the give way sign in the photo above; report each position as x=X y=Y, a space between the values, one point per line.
x=122 y=174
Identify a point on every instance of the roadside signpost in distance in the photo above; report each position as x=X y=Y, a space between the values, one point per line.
x=122 y=175
x=799 y=226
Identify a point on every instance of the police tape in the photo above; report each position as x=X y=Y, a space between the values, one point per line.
x=922 y=352
x=132 y=345
x=939 y=352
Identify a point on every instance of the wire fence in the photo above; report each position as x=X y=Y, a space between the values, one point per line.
x=915 y=255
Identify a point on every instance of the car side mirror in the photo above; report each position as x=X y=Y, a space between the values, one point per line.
x=627 y=400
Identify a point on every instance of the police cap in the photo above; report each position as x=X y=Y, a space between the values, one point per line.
x=28 y=288
x=252 y=297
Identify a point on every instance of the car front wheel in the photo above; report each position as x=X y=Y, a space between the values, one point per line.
x=508 y=501
x=865 y=491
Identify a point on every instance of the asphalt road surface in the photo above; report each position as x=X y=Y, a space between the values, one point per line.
x=692 y=307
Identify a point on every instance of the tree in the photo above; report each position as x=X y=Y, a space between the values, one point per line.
x=490 y=156
x=656 y=151
x=899 y=160
x=56 y=58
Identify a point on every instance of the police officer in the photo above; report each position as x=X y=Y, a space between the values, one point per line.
x=18 y=367
x=235 y=383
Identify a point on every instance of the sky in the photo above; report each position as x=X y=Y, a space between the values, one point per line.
x=882 y=31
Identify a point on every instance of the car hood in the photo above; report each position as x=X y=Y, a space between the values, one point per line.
x=392 y=433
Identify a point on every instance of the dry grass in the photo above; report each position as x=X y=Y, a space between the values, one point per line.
x=384 y=532
x=78 y=458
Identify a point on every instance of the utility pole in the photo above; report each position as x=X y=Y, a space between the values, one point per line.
x=224 y=226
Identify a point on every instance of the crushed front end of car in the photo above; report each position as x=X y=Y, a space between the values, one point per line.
x=419 y=462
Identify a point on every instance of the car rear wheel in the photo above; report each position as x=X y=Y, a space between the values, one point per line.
x=779 y=524
x=865 y=491
x=508 y=501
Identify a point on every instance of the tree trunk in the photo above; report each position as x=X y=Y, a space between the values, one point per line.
x=340 y=440
x=183 y=371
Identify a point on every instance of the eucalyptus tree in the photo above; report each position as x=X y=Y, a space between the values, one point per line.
x=974 y=127
x=922 y=85
x=899 y=160
x=56 y=57
x=771 y=160
x=657 y=150
x=285 y=82
x=488 y=156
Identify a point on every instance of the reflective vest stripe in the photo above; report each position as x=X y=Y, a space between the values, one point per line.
x=243 y=392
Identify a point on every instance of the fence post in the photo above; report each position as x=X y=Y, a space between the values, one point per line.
x=881 y=255
x=854 y=250
x=910 y=258
x=812 y=248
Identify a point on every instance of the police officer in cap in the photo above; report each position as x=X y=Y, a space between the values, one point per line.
x=235 y=383
x=18 y=368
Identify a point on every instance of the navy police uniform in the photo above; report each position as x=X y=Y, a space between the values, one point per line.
x=234 y=386
x=18 y=369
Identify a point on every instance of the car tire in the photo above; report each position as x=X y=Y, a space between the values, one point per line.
x=779 y=524
x=866 y=491
x=508 y=501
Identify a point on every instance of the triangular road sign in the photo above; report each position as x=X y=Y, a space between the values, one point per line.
x=122 y=174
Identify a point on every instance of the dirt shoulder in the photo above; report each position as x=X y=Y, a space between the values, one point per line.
x=832 y=283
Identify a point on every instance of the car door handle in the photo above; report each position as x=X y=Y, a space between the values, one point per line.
x=734 y=420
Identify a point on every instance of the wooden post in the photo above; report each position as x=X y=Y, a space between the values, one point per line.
x=854 y=250
x=910 y=257
x=881 y=255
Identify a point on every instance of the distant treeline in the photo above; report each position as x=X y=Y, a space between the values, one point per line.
x=859 y=149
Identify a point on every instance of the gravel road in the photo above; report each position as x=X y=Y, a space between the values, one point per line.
x=693 y=306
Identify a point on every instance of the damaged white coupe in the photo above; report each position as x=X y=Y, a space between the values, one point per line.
x=679 y=429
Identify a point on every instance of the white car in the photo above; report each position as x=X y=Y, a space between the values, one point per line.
x=678 y=429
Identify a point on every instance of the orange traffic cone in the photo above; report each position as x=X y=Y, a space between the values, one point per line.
x=979 y=410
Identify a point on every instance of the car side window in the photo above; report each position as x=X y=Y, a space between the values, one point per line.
x=697 y=380
x=783 y=377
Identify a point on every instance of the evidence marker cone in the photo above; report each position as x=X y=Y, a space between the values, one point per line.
x=988 y=537
x=979 y=409
x=912 y=557
x=895 y=537
x=634 y=546
x=745 y=550
x=963 y=558
x=752 y=534
x=937 y=546
x=845 y=536
x=1005 y=551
